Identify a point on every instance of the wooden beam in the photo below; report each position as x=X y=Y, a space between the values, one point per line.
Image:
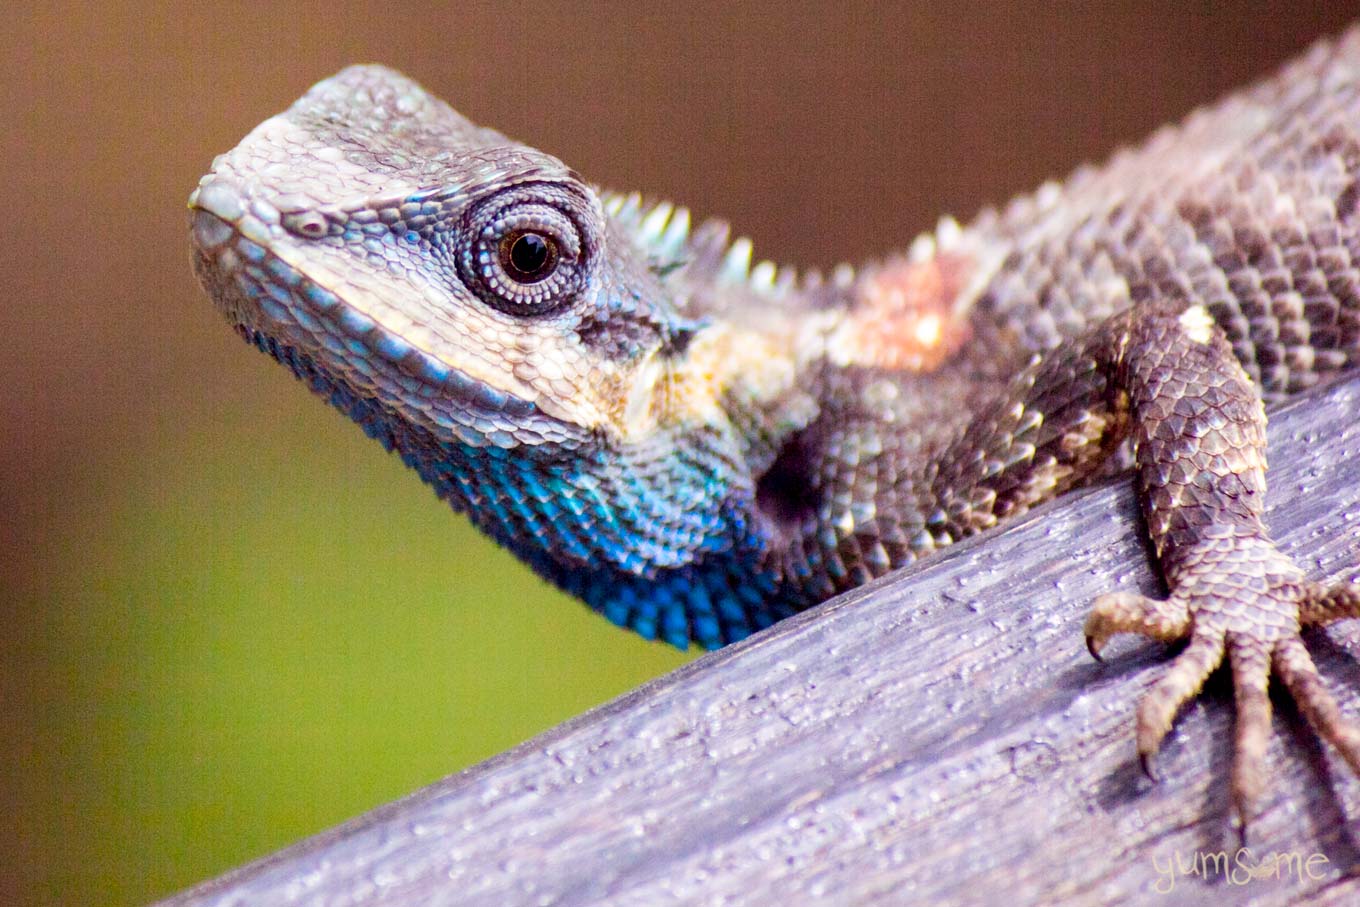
x=940 y=736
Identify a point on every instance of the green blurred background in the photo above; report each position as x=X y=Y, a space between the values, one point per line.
x=230 y=620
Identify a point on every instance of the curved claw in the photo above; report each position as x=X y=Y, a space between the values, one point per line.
x=1147 y=762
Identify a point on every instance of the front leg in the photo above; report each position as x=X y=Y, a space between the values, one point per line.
x=1198 y=429
x=1158 y=374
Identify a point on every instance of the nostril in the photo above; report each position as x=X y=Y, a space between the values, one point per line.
x=310 y=224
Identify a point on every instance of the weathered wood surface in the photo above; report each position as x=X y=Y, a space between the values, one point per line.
x=939 y=737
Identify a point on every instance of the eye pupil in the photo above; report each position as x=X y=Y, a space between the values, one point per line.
x=530 y=257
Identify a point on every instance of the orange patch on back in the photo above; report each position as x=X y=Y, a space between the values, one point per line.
x=905 y=316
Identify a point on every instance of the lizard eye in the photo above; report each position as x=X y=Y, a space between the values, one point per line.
x=528 y=257
x=525 y=254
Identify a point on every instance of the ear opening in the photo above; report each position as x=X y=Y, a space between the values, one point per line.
x=788 y=494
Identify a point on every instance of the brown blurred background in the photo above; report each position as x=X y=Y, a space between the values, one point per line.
x=229 y=620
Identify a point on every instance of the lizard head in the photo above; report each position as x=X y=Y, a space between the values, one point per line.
x=420 y=258
x=537 y=350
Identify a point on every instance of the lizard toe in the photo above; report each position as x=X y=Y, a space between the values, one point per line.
x=1166 y=620
x=1250 y=659
x=1322 y=604
x=1182 y=681
x=1295 y=667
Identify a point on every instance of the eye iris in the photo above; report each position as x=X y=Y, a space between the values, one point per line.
x=529 y=256
x=525 y=250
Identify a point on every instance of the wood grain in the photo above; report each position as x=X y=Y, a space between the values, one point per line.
x=941 y=736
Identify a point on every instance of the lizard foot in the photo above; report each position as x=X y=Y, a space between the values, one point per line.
x=1247 y=603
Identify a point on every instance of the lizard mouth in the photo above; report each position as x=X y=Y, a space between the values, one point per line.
x=263 y=295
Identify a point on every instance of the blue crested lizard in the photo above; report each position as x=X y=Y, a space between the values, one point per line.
x=698 y=446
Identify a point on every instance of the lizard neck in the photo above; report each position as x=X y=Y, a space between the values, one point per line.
x=661 y=531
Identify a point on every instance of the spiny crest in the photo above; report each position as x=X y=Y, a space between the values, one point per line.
x=706 y=253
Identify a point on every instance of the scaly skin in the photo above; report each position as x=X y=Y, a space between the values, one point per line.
x=697 y=447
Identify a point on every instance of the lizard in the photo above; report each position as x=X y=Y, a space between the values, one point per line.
x=698 y=446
